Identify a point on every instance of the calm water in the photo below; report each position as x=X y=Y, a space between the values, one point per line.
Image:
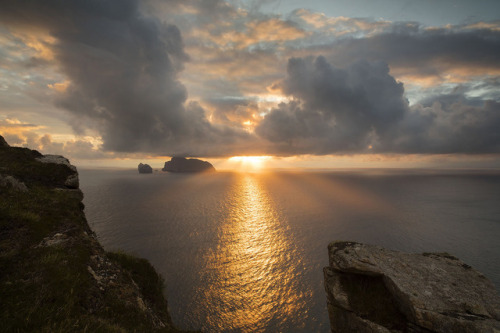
x=245 y=252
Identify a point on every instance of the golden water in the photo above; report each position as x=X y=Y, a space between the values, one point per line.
x=253 y=261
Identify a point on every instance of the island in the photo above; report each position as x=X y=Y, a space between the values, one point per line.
x=54 y=274
x=187 y=165
x=144 y=168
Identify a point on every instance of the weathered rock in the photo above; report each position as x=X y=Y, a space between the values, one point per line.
x=56 y=239
x=371 y=289
x=181 y=164
x=72 y=180
x=144 y=168
x=9 y=181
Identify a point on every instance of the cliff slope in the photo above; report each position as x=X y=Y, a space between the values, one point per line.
x=54 y=275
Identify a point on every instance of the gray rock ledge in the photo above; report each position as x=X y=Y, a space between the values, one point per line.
x=9 y=181
x=372 y=289
x=72 y=181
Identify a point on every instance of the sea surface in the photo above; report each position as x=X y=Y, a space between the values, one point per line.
x=244 y=252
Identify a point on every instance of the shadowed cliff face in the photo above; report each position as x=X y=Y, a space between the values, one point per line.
x=54 y=275
x=371 y=289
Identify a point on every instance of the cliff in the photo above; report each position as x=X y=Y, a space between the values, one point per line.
x=54 y=274
x=181 y=164
x=371 y=289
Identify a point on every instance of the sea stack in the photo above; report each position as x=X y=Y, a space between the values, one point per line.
x=144 y=168
x=191 y=165
x=371 y=289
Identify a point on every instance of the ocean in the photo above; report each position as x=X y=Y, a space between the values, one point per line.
x=244 y=252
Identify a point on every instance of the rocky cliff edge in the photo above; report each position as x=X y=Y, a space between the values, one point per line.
x=54 y=274
x=371 y=289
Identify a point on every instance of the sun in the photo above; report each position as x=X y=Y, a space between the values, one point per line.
x=249 y=163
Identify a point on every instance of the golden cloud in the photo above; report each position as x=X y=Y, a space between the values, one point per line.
x=59 y=86
x=341 y=25
x=445 y=73
x=39 y=41
x=272 y=30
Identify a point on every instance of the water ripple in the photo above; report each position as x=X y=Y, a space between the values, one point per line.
x=254 y=263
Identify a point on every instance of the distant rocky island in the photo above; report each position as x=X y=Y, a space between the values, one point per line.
x=187 y=165
x=54 y=274
x=372 y=289
x=144 y=168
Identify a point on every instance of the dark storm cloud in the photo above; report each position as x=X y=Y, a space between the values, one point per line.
x=340 y=110
x=447 y=127
x=362 y=108
x=424 y=51
x=123 y=69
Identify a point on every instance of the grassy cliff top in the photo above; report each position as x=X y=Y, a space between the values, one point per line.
x=54 y=275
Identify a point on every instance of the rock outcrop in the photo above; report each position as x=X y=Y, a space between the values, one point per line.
x=54 y=274
x=72 y=179
x=181 y=164
x=371 y=289
x=11 y=182
x=3 y=143
x=144 y=168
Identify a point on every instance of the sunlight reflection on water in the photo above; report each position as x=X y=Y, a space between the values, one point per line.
x=254 y=263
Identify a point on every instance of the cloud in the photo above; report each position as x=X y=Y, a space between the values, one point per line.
x=451 y=124
x=122 y=69
x=451 y=53
x=15 y=124
x=362 y=109
x=122 y=74
x=337 y=110
x=340 y=26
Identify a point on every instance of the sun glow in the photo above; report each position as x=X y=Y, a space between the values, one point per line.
x=249 y=163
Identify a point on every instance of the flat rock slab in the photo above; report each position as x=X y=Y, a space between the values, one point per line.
x=372 y=289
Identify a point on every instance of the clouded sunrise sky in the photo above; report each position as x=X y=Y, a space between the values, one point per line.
x=338 y=83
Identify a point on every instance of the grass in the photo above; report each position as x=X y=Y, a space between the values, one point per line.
x=142 y=272
x=49 y=288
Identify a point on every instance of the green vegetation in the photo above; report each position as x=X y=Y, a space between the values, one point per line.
x=141 y=271
x=54 y=275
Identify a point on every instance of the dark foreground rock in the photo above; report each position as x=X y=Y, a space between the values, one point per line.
x=54 y=274
x=3 y=143
x=371 y=289
x=144 y=168
x=181 y=164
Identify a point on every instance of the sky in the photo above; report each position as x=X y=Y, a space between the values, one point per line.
x=316 y=84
